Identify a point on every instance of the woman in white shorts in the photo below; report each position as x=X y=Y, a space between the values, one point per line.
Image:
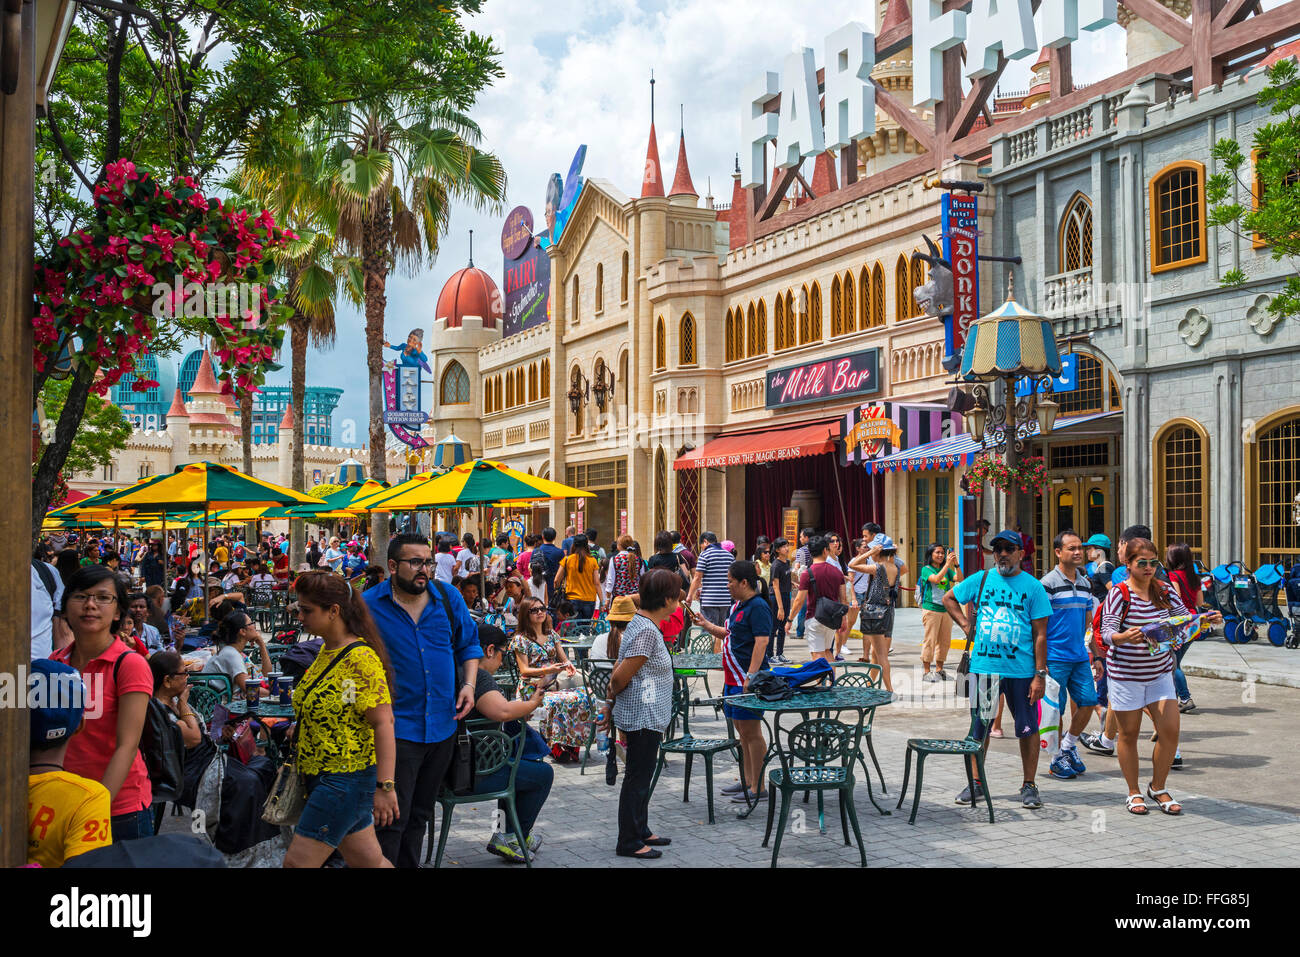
x=1139 y=680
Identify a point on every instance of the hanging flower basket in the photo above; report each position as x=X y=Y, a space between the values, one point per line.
x=1029 y=477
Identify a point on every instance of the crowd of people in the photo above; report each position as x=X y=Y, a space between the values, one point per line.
x=405 y=651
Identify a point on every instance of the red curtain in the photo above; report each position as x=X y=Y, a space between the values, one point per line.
x=768 y=490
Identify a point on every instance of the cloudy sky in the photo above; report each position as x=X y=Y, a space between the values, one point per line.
x=577 y=71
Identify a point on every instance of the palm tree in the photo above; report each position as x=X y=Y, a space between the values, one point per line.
x=287 y=177
x=396 y=169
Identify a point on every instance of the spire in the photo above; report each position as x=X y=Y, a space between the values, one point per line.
x=682 y=185
x=895 y=14
x=471 y=251
x=739 y=233
x=178 y=406
x=204 y=382
x=286 y=423
x=652 y=180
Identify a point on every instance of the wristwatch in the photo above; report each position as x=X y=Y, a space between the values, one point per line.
x=1040 y=674
x=388 y=785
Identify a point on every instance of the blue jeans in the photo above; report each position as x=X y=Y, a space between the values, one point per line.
x=1180 y=680
x=798 y=627
x=133 y=825
x=532 y=787
x=583 y=609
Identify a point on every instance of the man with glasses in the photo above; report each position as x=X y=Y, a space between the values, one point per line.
x=430 y=637
x=709 y=583
x=1069 y=659
x=1008 y=653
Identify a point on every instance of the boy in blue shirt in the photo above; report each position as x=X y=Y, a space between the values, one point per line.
x=1008 y=652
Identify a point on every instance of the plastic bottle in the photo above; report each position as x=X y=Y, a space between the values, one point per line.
x=602 y=741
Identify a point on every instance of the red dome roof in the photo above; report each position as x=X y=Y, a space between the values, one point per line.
x=469 y=292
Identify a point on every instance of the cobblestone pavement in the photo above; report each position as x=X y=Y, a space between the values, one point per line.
x=1238 y=794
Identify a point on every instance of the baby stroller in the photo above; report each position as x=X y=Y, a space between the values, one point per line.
x=1219 y=596
x=1255 y=597
x=1291 y=588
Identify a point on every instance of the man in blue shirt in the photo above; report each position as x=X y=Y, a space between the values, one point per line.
x=428 y=632
x=1069 y=660
x=1009 y=652
x=550 y=557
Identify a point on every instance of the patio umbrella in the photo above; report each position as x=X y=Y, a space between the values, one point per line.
x=336 y=502
x=206 y=486
x=478 y=483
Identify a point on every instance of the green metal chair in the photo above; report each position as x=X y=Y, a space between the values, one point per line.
x=966 y=748
x=575 y=627
x=204 y=700
x=507 y=676
x=690 y=746
x=596 y=677
x=493 y=749
x=223 y=685
x=700 y=643
x=816 y=743
x=869 y=676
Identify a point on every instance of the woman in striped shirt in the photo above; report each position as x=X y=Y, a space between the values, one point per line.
x=1139 y=680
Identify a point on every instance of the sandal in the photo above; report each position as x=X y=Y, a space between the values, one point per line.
x=1136 y=805
x=1166 y=807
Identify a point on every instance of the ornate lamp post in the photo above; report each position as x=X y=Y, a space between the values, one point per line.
x=603 y=388
x=579 y=392
x=1008 y=344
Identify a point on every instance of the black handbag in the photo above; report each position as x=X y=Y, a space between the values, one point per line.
x=460 y=776
x=963 y=667
x=830 y=612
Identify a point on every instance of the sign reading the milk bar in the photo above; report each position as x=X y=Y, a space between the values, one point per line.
x=855 y=374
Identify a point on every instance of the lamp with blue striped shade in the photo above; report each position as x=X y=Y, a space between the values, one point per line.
x=1010 y=341
x=450 y=452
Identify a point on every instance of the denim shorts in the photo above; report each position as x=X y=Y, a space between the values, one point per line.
x=339 y=803
x=1075 y=677
x=735 y=712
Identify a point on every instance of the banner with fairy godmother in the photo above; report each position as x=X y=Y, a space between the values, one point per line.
x=402 y=412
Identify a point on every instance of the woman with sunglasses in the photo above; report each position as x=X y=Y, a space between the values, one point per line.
x=1139 y=680
x=538 y=654
x=233 y=636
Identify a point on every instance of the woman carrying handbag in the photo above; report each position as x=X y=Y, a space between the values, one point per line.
x=344 y=747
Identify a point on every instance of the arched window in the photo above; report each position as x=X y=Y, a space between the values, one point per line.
x=1075 y=241
x=546 y=378
x=778 y=313
x=902 y=295
x=1182 y=504
x=661 y=344
x=877 y=295
x=849 y=325
x=488 y=407
x=455 y=384
x=837 y=309
x=1271 y=486
x=661 y=489
x=1176 y=197
x=815 y=313
x=729 y=339
x=686 y=345
x=1087 y=396
x=623 y=283
x=573 y=306
x=519 y=385
x=600 y=287
x=758 y=331
x=510 y=389
x=790 y=319
x=622 y=376
x=532 y=382
x=919 y=270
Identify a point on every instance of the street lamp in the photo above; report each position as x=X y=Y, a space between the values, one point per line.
x=579 y=391
x=603 y=387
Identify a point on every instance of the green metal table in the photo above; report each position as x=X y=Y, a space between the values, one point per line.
x=824 y=701
x=577 y=650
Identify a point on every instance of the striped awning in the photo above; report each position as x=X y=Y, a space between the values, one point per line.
x=961 y=449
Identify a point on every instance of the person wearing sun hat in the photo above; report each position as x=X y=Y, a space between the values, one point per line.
x=67 y=814
x=621 y=611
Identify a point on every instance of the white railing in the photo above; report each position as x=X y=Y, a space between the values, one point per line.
x=1068 y=292
x=492 y=440
x=515 y=435
x=1022 y=146
x=540 y=429
x=1070 y=127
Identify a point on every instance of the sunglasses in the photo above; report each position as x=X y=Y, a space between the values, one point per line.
x=1001 y=548
x=1146 y=563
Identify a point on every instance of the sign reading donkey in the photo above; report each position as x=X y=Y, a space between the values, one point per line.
x=402 y=389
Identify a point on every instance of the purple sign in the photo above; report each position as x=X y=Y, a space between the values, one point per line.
x=527 y=291
x=855 y=374
x=517 y=232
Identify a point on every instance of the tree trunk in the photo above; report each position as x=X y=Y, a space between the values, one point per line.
x=56 y=453
x=246 y=441
x=298 y=386
x=376 y=241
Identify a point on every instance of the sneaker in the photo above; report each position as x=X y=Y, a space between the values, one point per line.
x=965 y=796
x=1093 y=743
x=1072 y=755
x=930 y=677
x=1178 y=763
x=509 y=850
x=1061 y=768
x=942 y=675
x=839 y=657
x=1186 y=705
x=743 y=797
x=733 y=788
x=1029 y=796
x=534 y=842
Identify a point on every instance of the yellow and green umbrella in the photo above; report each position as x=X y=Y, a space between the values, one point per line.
x=481 y=482
x=337 y=502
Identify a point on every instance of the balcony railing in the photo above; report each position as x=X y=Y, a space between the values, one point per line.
x=1075 y=302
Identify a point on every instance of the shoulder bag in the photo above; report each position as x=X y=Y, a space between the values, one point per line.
x=289 y=792
x=963 y=667
x=875 y=609
x=827 y=611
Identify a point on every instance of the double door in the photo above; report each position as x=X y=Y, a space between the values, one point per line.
x=1082 y=503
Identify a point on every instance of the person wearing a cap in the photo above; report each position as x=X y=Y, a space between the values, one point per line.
x=120 y=685
x=709 y=583
x=1008 y=651
x=1097 y=550
x=67 y=814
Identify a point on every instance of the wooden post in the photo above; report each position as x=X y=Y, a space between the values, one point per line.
x=17 y=201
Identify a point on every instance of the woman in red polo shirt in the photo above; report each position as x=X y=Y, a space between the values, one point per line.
x=119 y=684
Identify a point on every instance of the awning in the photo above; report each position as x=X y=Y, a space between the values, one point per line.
x=753 y=448
x=961 y=449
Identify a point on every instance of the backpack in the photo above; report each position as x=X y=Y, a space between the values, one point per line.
x=163 y=750
x=296 y=660
x=1096 y=617
x=47 y=578
x=809 y=676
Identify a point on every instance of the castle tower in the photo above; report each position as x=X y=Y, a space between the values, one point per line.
x=213 y=437
x=1040 y=83
x=284 y=449
x=178 y=427
x=683 y=192
x=891 y=144
x=1144 y=42
x=467 y=318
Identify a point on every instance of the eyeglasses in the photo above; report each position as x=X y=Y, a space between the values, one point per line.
x=1147 y=563
x=537 y=611
x=419 y=562
x=92 y=599
x=1001 y=548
